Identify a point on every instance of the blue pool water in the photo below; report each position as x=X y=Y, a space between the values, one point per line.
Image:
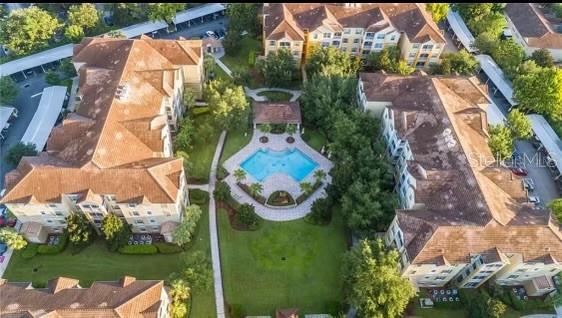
x=264 y=163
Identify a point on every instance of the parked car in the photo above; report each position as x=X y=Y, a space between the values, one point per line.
x=3 y=248
x=534 y=199
x=211 y=34
x=529 y=184
x=519 y=171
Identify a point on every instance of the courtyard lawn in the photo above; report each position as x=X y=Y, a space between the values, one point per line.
x=203 y=150
x=314 y=138
x=276 y=96
x=235 y=140
x=282 y=265
x=239 y=58
x=97 y=263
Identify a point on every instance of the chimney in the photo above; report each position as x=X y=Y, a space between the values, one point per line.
x=127 y=280
x=422 y=172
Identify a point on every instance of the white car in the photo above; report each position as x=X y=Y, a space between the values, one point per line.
x=211 y=34
x=534 y=199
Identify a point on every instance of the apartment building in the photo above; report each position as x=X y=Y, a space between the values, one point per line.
x=462 y=217
x=114 y=154
x=357 y=28
x=533 y=29
x=63 y=297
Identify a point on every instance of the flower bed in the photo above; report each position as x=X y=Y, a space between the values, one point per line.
x=305 y=196
x=260 y=198
x=280 y=198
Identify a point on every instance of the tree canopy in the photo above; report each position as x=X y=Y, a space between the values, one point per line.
x=74 y=33
x=556 y=206
x=461 y=62
x=438 y=11
x=12 y=238
x=279 y=68
x=519 y=124
x=27 y=29
x=500 y=142
x=332 y=61
x=163 y=11
x=228 y=103
x=243 y=17
x=19 y=150
x=543 y=58
x=9 y=90
x=540 y=92
x=84 y=15
x=79 y=229
x=372 y=281
x=184 y=232
x=509 y=55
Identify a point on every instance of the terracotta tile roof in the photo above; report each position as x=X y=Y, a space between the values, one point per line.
x=287 y=313
x=109 y=144
x=63 y=298
x=290 y=19
x=277 y=112
x=456 y=198
x=533 y=26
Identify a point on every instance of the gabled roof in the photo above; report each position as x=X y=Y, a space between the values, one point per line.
x=533 y=26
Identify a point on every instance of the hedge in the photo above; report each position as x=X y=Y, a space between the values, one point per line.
x=198 y=197
x=138 y=249
x=199 y=110
x=168 y=248
x=54 y=249
x=29 y=251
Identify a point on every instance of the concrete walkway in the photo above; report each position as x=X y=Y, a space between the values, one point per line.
x=204 y=187
x=215 y=251
x=253 y=93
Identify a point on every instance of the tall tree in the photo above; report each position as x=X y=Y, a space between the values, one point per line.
x=461 y=62
x=486 y=42
x=111 y=225
x=240 y=175
x=519 y=124
x=163 y=11
x=9 y=90
x=492 y=23
x=332 y=61
x=386 y=59
x=12 y=238
x=125 y=14
x=509 y=55
x=84 y=15
x=228 y=103
x=19 y=150
x=372 y=281
x=180 y=293
x=27 y=29
x=540 y=92
x=74 y=33
x=279 y=68
x=438 y=11
x=184 y=232
x=243 y=17
x=79 y=229
x=543 y=58
x=500 y=142
x=256 y=189
x=556 y=207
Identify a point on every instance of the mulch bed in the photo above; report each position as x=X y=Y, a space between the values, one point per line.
x=290 y=140
x=232 y=217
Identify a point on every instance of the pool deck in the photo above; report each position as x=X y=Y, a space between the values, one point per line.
x=277 y=181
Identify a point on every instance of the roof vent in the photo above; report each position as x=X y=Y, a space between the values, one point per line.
x=122 y=92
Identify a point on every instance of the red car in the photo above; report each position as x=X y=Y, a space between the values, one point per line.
x=518 y=171
x=7 y=222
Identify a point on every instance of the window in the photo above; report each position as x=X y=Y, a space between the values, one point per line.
x=152 y=221
x=315 y=36
x=440 y=277
x=136 y=213
x=149 y=212
x=367 y=43
x=416 y=45
x=142 y=229
x=62 y=222
x=479 y=277
x=52 y=205
x=366 y=52
x=59 y=213
x=344 y=49
x=358 y=31
x=139 y=221
x=427 y=47
x=132 y=205
x=296 y=53
x=369 y=34
x=380 y=36
x=424 y=55
x=348 y=31
x=285 y=44
x=337 y=35
x=512 y=276
x=43 y=213
x=378 y=45
x=155 y=228
x=470 y=285
x=412 y=55
x=49 y=221
x=336 y=43
x=392 y=38
x=346 y=40
x=354 y=50
x=271 y=43
x=327 y=35
x=446 y=271
x=325 y=44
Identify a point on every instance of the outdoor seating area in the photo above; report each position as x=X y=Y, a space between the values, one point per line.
x=146 y=239
x=53 y=239
x=520 y=292
x=444 y=295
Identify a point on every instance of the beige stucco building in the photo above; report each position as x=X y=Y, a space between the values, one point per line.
x=357 y=28
x=114 y=154
x=462 y=218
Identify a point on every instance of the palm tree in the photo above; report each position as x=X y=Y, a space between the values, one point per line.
x=256 y=189
x=265 y=128
x=240 y=175
x=291 y=129
x=306 y=187
x=319 y=175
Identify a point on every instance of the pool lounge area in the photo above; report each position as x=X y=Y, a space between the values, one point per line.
x=265 y=162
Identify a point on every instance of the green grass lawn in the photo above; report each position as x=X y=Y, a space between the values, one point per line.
x=256 y=277
x=235 y=140
x=97 y=263
x=314 y=138
x=239 y=58
x=276 y=96
x=203 y=150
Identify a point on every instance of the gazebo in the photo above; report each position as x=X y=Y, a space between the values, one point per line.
x=287 y=313
x=277 y=113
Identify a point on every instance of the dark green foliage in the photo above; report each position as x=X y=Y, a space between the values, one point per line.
x=67 y=68
x=332 y=61
x=198 y=270
x=321 y=212
x=509 y=55
x=243 y=17
x=280 y=198
x=138 y=249
x=247 y=216
x=543 y=58
x=29 y=251
x=79 y=229
x=198 y=197
x=221 y=173
x=222 y=191
x=306 y=194
x=462 y=63
x=236 y=311
x=9 y=90
x=279 y=68
x=19 y=150
x=168 y=248
x=54 y=249
x=476 y=303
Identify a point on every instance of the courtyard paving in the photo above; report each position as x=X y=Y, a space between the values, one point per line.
x=278 y=181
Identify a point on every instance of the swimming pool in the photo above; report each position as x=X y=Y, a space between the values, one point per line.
x=265 y=162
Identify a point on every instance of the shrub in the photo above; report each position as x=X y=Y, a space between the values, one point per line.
x=260 y=198
x=138 y=249
x=321 y=212
x=246 y=215
x=305 y=195
x=198 y=197
x=236 y=311
x=222 y=173
x=200 y=110
x=280 y=198
x=222 y=191
x=29 y=251
x=54 y=249
x=168 y=248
